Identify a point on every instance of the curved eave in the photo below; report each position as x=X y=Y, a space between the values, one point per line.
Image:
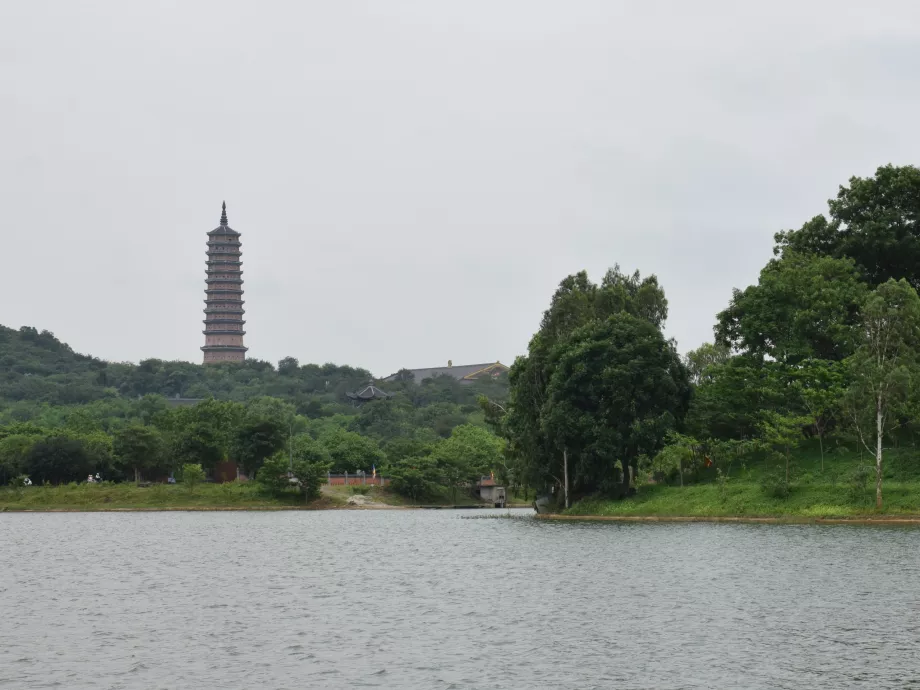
x=223 y=348
x=206 y=332
x=224 y=311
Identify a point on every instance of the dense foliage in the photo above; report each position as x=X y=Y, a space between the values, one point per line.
x=823 y=349
x=64 y=416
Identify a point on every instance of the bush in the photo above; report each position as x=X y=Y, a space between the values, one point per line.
x=192 y=476
x=361 y=489
x=774 y=484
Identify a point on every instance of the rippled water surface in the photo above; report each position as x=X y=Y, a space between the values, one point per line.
x=434 y=599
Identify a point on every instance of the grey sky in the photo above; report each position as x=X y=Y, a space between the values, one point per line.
x=413 y=178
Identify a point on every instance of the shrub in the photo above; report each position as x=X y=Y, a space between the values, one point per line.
x=192 y=476
x=774 y=484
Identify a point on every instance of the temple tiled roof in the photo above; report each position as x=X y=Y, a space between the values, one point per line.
x=460 y=371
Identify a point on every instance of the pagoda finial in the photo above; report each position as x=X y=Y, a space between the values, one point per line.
x=223 y=214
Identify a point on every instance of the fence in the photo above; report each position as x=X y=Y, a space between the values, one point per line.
x=356 y=479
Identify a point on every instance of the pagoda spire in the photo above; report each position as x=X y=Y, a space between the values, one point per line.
x=223 y=214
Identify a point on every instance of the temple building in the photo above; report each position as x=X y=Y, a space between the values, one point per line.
x=223 y=303
x=464 y=373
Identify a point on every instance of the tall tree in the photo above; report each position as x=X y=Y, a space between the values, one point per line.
x=139 y=449
x=873 y=221
x=576 y=303
x=616 y=389
x=802 y=307
x=256 y=440
x=883 y=364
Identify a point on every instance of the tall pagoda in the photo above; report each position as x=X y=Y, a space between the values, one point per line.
x=223 y=302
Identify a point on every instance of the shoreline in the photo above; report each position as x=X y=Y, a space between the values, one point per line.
x=775 y=520
x=205 y=509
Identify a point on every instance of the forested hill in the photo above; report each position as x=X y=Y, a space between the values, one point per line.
x=37 y=369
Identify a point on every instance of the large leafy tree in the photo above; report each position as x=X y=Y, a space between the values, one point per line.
x=351 y=452
x=469 y=453
x=616 y=388
x=58 y=459
x=576 y=303
x=139 y=450
x=256 y=440
x=803 y=306
x=873 y=221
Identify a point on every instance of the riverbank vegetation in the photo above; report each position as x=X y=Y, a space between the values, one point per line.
x=808 y=389
x=65 y=416
x=81 y=496
x=807 y=395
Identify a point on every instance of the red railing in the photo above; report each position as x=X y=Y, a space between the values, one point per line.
x=356 y=480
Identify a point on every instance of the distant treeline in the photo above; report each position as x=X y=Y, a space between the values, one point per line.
x=64 y=415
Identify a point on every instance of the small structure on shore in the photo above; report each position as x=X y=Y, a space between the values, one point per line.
x=488 y=491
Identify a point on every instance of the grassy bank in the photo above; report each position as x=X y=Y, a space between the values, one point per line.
x=230 y=496
x=843 y=488
x=156 y=497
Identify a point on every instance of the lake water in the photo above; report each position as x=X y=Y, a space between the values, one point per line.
x=434 y=599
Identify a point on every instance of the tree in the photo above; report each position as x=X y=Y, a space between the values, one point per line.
x=288 y=366
x=275 y=474
x=699 y=361
x=351 y=452
x=414 y=477
x=821 y=385
x=139 y=449
x=200 y=444
x=802 y=307
x=13 y=453
x=873 y=221
x=576 y=303
x=256 y=440
x=192 y=476
x=57 y=459
x=616 y=389
x=310 y=476
x=883 y=364
x=466 y=456
x=782 y=433
x=677 y=457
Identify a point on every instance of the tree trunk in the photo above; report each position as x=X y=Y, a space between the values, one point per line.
x=787 y=467
x=136 y=476
x=821 y=446
x=625 y=477
x=565 y=469
x=878 y=452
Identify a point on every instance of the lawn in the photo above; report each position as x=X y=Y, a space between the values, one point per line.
x=844 y=487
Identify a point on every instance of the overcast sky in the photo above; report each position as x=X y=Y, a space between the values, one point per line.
x=412 y=179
